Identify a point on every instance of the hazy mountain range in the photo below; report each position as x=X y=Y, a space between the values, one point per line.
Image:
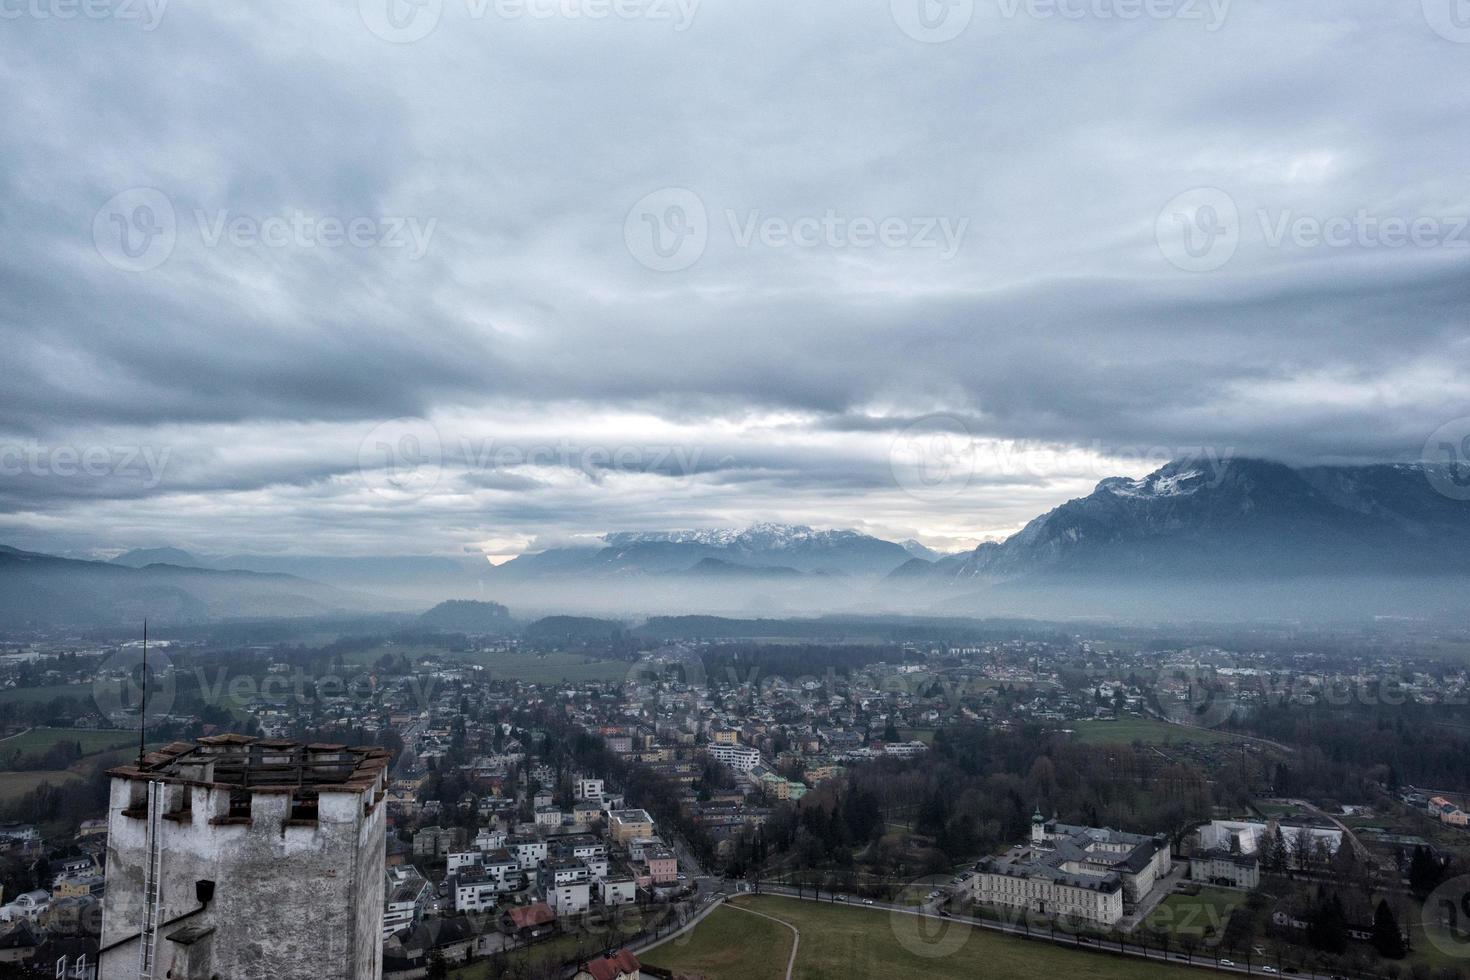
x=1254 y=537
x=1253 y=519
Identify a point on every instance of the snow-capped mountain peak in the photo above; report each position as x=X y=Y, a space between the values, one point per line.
x=762 y=535
x=1164 y=483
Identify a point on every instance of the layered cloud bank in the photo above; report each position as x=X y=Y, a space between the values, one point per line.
x=323 y=281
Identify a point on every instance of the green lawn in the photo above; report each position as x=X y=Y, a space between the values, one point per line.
x=722 y=947
x=850 y=941
x=1202 y=917
x=1126 y=731
x=14 y=785
x=28 y=695
x=38 y=740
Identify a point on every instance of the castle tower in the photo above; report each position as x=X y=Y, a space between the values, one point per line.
x=245 y=858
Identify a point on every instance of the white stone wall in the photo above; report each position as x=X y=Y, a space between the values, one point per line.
x=290 y=900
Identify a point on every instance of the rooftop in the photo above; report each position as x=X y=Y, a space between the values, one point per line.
x=248 y=762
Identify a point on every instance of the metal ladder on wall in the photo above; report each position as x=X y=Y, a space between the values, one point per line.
x=152 y=886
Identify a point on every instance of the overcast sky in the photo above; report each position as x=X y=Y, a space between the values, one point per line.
x=339 y=278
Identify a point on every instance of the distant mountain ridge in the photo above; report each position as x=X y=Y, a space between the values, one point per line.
x=1252 y=518
x=1191 y=538
x=793 y=547
x=38 y=590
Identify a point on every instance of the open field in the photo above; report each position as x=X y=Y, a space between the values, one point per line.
x=721 y=947
x=1125 y=731
x=850 y=941
x=38 y=740
x=29 y=695
x=14 y=785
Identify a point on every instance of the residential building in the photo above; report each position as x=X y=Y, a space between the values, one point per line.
x=741 y=758
x=624 y=825
x=569 y=898
x=622 y=965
